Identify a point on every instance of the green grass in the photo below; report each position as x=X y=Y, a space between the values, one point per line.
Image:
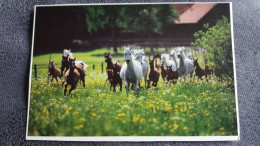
x=184 y=109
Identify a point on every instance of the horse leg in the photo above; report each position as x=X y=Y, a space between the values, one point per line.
x=110 y=85
x=135 y=87
x=52 y=78
x=148 y=83
x=120 y=84
x=83 y=80
x=72 y=88
x=56 y=79
x=105 y=83
x=126 y=87
x=114 y=87
x=65 y=90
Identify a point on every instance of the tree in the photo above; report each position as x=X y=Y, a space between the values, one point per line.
x=154 y=19
x=144 y=19
x=217 y=41
x=108 y=16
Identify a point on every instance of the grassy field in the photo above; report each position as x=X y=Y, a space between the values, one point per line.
x=184 y=109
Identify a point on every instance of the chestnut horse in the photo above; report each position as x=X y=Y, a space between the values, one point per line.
x=53 y=71
x=79 y=66
x=71 y=77
x=200 y=72
x=113 y=69
x=153 y=75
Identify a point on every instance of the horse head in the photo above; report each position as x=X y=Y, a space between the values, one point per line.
x=72 y=63
x=195 y=62
x=181 y=53
x=106 y=56
x=127 y=54
x=50 y=64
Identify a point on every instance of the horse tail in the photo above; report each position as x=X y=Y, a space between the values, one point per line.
x=84 y=65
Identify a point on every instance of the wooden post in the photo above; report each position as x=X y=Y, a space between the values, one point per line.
x=35 y=71
x=102 y=67
x=93 y=67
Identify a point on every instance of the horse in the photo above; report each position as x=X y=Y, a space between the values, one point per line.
x=163 y=71
x=172 y=76
x=113 y=70
x=80 y=65
x=157 y=65
x=186 y=65
x=153 y=75
x=139 y=56
x=200 y=72
x=53 y=71
x=190 y=56
x=166 y=58
x=173 y=54
x=65 y=64
x=71 y=77
x=156 y=55
x=131 y=71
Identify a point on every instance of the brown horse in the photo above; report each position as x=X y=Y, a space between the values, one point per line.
x=53 y=71
x=172 y=76
x=163 y=71
x=200 y=72
x=157 y=55
x=113 y=72
x=78 y=66
x=153 y=75
x=71 y=77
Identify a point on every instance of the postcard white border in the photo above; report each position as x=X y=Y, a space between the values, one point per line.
x=135 y=138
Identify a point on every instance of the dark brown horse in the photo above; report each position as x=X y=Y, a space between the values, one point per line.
x=163 y=71
x=53 y=71
x=157 y=55
x=71 y=77
x=113 y=72
x=79 y=66
x=172 y=76
x=200 y=72
x=153 y=75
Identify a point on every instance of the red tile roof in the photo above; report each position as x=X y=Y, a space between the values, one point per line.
x=192 y=13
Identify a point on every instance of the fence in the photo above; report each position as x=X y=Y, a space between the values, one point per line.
x=35 y=68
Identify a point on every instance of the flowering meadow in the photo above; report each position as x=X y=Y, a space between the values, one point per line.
x=184 y=109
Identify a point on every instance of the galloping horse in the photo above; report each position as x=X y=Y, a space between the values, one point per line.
x=113 y=70
x=200 y=72
x=186 y=65
x=53 y=71
x=71 y=76
x=153 y=75
x=172 y=76
x=139 y=56
x=79 y=65
x=131 y=71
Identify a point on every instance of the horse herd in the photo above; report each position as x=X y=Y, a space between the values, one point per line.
x=135 y=67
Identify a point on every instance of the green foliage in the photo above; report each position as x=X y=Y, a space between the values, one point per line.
x=141 y=18
x=217 y=41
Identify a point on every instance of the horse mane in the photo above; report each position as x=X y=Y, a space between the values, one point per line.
x=67 y=53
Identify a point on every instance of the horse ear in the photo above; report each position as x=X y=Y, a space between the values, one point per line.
x=74 y=58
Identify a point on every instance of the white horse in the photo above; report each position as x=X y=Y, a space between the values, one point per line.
x=186 y=65
x=78 y=62
x=131 y=71
x=190 y=56
x=165 y=59
x=139 y=56
x=174 y=56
